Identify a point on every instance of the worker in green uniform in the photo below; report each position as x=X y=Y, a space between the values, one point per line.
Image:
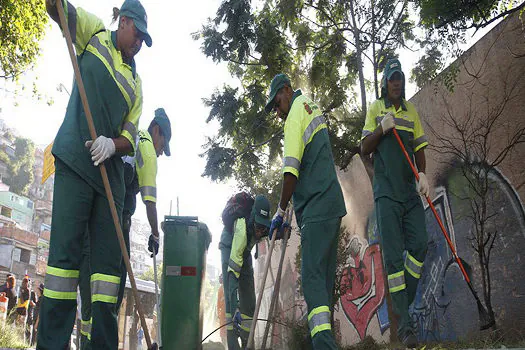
x=309 y=175
x=399 y=210
x=236 y=245
x=114 y=92
x=140 y=173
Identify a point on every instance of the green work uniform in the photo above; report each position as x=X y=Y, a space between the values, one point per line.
x=140 y=173
x=79 y=201
x=399 y=211
x=237 y=272
x=319 y=205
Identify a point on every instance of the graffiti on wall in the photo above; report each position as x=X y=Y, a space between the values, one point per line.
x=444 y=309
x=363 y=284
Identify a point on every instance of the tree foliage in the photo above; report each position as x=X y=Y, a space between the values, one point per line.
x=22 y=26
x=149 y=274
x=323 y=46
x=465 y=14
x=20 y=167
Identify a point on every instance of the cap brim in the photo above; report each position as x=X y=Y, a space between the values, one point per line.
x=395 y=71
x=271 y=102
x=141 y=28
x=262 y=221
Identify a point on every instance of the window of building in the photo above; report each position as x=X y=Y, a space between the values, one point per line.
x=22 y=255
x=30 y=204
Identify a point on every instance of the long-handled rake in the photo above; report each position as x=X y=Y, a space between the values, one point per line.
x=485 y=320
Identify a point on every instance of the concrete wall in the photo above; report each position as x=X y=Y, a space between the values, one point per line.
x=489 y=81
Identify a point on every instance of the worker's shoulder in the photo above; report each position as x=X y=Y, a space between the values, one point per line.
x=411 y=108
x=377 y=105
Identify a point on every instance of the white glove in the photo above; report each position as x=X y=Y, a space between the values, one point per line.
x=422 y=185
x=388 y=122
x=102 y=149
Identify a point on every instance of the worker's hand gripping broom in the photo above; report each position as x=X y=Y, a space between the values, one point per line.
x=103 y=172
x=287 y=217
x=484 y=318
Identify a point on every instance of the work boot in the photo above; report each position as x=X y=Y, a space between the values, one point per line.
x=410 y=339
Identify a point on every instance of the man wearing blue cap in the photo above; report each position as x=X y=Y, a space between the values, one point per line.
x=140 y=174
x=399 y=210
x=309 y=175
x=114 y=92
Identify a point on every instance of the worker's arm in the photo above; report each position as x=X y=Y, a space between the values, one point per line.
x=419 y=144
x=240 y=240
x=81 y=24
x=151 y=212
x=289 y=183
x=371 y=141
x=131 y=121
x=123 y=145
x=421 y=161
x=373 y=131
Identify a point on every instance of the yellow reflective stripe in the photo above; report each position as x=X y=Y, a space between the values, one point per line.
x=229 y=327
x=317 y=329
x=365 y=133
x=413 y=266
x=396 y=281
x=319 y=320
x=85 y=328
x=103 y=298
x=318 y=310
x=104 y=288
x=291 y=162
x=246 y=324
x=131 y=129
x=62 y=272
x=104 y=54
x=105 y=278
x=234 y=266
x=403 y=124
x=148 y=192
x=61 y=283
x=313 y=127
x=60 y=295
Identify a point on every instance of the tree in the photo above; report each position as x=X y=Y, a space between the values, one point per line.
x=22 y=26
x=465 y=14
x=322 y=45
x=149 y=274
x=475 y=142
x=448 y=23
x=20 y=168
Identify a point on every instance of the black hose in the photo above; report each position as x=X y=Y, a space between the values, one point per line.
x=259 y=319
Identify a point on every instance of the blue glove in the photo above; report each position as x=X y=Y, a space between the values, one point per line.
x=153 y=244
x=277 y=222
x=237 y=320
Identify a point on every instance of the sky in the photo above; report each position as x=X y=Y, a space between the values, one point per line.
x=176 y=76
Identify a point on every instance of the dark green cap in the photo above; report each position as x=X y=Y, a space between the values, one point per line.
x=393 y=65
x=133 y=9
x=262 y=210
x=162 y=120
x=278 y=82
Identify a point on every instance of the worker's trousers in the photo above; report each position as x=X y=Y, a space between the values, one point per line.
x=85 y=288
x=76 y=205
x=319 y=252
x=246 y=293
x=402 y=228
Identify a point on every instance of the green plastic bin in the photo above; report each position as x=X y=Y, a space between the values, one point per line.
x=186 y=241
